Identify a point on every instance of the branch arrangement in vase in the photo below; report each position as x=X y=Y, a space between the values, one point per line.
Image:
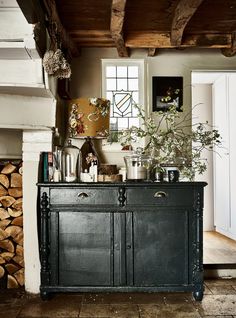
x=172 y=139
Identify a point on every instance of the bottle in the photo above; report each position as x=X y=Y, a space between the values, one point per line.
x=93 y=170
x=71 y=163
x=122 y=171
x=57 y=142
x=57 y=156
x=88 y=154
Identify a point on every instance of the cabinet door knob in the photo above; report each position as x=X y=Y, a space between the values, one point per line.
x=82 y=195
x=128 y=246
x=160 y=194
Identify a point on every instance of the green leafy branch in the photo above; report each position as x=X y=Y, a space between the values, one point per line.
x=170 y=140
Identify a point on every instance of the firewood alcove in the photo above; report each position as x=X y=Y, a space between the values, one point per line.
x=11 y=225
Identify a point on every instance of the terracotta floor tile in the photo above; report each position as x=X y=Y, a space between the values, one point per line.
x=168 y=311
x=177 y=298
x=133 y=298
x=10 y=295
x=60 y=306
x=8 y=311
x=218 y=316
x=222 y=290
x=219 y=282
x=217 y=305
x=221 y=304
x=207 y=290
x=107 y=311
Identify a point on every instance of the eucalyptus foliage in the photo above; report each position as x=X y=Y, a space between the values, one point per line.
x=171 y=139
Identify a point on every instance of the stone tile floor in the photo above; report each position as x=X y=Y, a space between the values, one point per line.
x=219 y=301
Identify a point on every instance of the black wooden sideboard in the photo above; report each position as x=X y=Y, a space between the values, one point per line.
x=121 y=237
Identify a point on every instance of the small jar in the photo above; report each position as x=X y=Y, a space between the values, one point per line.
x=171 y=173
x=138 y=165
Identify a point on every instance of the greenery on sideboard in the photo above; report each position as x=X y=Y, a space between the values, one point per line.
x=171 y=139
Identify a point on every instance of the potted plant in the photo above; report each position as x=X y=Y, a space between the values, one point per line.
x=171 y=139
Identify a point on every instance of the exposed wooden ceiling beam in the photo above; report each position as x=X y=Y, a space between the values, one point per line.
x=31 y=10
x=116 y=27
x=229 y=52
x=162 y=40
x=53 y=17
x=92 y=36
x=183 y=13
x=151 y=51
x=34 y=14
x=90 y=33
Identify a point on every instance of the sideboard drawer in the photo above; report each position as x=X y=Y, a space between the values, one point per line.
x=84 y=196
x=165 y=196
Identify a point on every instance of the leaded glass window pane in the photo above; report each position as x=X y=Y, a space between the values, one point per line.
x=109 y=95
x=122 y=71
x=122 y=89
x=111 y=84
x=123 y=122
x=133 y=71
x=111 y=71
x=122 y=84
x=136 y=97
x=134 y=122
x=133 y=84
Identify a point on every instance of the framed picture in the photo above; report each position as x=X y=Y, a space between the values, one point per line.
x=167 y=91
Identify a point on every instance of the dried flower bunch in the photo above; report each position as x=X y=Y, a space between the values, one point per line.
x=171 y=141
x=56 y=65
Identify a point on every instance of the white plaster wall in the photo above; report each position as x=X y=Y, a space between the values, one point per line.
x=21 y=72
x=24 y=112
x=10 y=144
x=202 y=97
x=33 y=143
x=13 y=25
x=86 y=72
x=16 y=35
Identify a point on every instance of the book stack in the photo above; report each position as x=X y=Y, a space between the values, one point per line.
x=47 y=166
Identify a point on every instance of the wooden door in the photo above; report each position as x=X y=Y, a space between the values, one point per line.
x=221 y=156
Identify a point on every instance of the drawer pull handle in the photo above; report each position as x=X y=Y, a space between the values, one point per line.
x=82 y=195
x=160 y=194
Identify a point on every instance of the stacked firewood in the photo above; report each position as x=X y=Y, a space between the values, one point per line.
x=11 y=225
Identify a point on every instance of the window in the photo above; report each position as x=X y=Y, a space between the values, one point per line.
x=123 y=85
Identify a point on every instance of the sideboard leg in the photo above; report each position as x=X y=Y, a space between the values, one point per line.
x=45 y=295
x=198 y=295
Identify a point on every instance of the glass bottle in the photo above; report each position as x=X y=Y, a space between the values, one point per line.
x=71 y=163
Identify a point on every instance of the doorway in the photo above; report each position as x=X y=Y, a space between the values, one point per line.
x=209 y=97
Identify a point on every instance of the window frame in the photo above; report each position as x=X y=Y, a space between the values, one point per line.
x=115 y=146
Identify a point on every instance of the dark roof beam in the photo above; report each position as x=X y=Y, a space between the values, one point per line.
x=116 y=27
x=183 y=13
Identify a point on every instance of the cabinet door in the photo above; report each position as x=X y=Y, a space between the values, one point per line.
x=160 y=247
x=85 y=248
